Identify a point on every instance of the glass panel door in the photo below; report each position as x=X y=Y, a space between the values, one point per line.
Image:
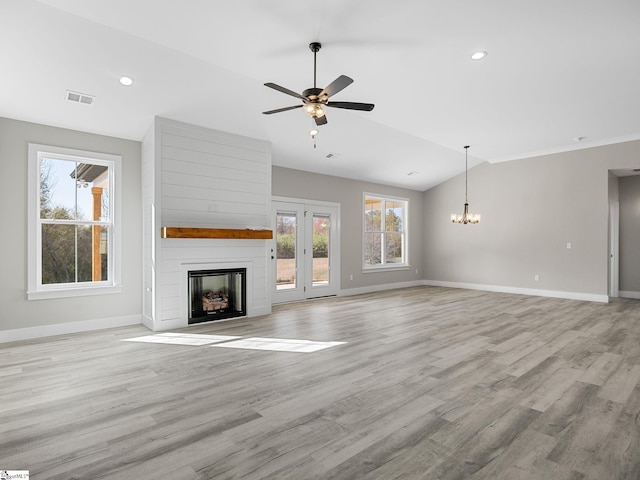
x=321 y=229
x=323 y=252
x=288 y=253
x=286 y=248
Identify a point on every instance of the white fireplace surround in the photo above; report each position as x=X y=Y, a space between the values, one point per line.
x=194 y=177
x=185 y=268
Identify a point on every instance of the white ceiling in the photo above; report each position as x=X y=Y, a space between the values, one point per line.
x=556 y=71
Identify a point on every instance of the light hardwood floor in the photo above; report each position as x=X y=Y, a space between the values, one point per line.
x=433 y=383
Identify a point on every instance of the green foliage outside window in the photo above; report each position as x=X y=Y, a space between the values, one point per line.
x=286 y=245
x=66 y=247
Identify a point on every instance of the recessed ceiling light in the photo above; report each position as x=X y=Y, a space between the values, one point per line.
x=126 y=81
x=479 y=55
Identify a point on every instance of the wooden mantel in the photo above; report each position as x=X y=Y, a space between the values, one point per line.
x=188 y=232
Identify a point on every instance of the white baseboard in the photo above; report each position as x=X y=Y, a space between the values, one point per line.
x=378 y=288
x=589 y=297
x=627 y=294
x=29 y=333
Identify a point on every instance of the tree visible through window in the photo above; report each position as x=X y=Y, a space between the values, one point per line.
x=74 y=225
x=74 y=218
x=384 y=231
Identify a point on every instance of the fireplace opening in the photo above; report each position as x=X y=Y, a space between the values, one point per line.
x=217 y=294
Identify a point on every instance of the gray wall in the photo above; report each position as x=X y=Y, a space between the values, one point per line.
x=629 y=190
x=16 y=311
x=530 y=209
x=348 y=193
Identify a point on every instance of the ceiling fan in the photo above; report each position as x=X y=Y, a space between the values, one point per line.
x=315 y=99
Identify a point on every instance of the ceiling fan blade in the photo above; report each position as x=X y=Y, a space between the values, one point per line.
x=321 y=120
x=278 y=110
x=367 y=107
x=336 y=86
x=284 y=90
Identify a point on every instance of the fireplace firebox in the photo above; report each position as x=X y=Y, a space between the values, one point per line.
x=217 y=294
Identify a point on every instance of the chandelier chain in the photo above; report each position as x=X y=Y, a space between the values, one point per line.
x=466 y=173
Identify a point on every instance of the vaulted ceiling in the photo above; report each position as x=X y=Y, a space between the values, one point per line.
x=559 y=75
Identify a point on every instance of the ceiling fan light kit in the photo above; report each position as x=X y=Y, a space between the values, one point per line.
x=466 y=217
x=314 y=100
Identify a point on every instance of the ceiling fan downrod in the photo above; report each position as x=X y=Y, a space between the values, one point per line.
x=315 y=48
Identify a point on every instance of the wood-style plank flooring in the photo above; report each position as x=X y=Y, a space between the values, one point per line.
x=434 y=383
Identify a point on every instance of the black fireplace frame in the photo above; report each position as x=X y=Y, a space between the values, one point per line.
x=237 y=303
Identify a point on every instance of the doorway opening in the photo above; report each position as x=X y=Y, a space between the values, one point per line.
x=305 y=251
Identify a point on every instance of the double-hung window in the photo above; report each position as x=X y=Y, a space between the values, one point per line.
x=74 y=222
x=385 y=232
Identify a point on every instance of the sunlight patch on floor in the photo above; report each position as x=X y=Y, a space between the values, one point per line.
x=278 y=344
x=226 y=341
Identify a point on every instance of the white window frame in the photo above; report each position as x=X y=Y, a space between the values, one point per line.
x=35 y=289
x=405 y=234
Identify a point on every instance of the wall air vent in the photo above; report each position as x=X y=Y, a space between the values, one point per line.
x=82 y=98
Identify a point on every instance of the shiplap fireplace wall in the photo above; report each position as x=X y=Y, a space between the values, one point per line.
x=202 y=178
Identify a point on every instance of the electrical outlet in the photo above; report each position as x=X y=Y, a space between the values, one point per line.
x=536 y=278
x=416 y=271
x=351 y=277
x=569 y=245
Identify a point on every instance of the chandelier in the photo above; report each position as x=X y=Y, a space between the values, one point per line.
x=466 y=217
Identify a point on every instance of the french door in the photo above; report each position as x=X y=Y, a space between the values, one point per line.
x=305 y=251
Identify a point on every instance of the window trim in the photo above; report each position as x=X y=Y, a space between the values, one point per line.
x=405 y=243
x=35 y=289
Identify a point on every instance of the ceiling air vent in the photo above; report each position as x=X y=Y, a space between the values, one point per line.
x=82 y=98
